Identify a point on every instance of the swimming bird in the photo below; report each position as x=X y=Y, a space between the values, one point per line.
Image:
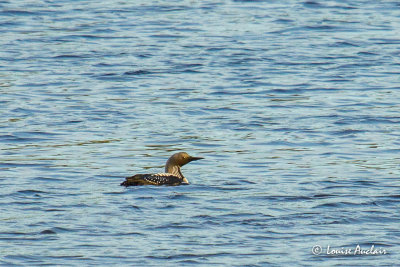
x=172 y=175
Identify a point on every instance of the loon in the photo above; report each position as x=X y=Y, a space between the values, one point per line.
x=172 y=175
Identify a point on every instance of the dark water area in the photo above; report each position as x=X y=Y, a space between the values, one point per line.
x=293 y=104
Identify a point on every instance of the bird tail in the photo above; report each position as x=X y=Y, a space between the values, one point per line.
x=133 y=180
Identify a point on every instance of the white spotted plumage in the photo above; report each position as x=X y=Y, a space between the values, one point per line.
x=162 y=178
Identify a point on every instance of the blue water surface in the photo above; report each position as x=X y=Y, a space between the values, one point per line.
x=293 y=104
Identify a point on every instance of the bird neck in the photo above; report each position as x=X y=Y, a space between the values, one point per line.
x=175 y=170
